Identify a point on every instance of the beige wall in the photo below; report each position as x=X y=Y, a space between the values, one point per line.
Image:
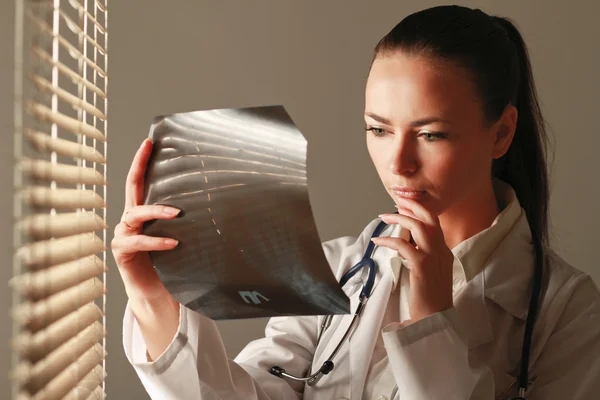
x=312 y=57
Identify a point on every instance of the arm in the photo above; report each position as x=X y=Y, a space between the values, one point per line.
x=178 y=367
x=429 y=360
x=196 y=354
x=183 y=371
x=568 y=366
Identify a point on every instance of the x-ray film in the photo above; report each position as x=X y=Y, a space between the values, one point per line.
x=248 y=243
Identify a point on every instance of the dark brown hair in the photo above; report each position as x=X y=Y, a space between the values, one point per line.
x=494 y=52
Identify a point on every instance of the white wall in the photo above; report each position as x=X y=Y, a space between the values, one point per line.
x=311 y=56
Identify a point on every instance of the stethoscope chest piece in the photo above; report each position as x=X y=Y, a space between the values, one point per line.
x=368 y=263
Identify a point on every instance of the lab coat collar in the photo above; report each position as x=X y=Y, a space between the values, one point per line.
x=509 y=270
x=474 y=251
x=505 y=278
x=505 y=275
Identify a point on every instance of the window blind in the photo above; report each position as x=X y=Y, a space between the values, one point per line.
x=59 y=229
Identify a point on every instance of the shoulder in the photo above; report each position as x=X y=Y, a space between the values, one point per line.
x=566 y=276
x=568 y=332
x=571 y=290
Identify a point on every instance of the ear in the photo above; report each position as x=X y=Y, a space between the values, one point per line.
x=504 y=131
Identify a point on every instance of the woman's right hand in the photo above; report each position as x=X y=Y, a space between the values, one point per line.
x=129 y=247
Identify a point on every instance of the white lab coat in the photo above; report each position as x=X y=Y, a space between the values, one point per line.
x=471 y=351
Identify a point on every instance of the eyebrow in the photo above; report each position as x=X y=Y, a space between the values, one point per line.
x=413 y=124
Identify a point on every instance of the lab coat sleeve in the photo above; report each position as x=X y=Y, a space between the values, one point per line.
x=448 y=375
x=195 y=364
x=568 y=366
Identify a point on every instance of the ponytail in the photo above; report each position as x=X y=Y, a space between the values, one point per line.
x=524 y=164
x=524 y=167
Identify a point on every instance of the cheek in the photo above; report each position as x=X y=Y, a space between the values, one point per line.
x=457 y=170
x=444 y=169
x=377 y=153
x=448 y=171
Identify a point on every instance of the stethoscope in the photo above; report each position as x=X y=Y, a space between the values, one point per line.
x=367 y=261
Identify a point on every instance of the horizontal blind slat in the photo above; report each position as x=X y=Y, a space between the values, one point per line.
x=42 y=313
x=88 y=386
x=77 y=30
x=41 y=196
x=46 y=143
x=34 y=376
x=35 y=346
x=56 y=251
x=101 y=7
x=68 y=379
x=45 y=226
x=41 y=284
x=61 y=173
x=70 y=124
x=74 y=76
x=73 y=51
x=69 y=98
x=76 y=5
x=97 y=394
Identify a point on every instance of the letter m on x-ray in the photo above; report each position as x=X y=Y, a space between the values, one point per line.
x=252 y=297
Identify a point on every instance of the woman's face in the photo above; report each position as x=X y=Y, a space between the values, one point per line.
x=428 y=133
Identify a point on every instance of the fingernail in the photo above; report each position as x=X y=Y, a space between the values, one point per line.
x=171 y=241
x=171 y=210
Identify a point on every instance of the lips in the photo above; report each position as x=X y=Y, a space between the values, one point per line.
x=408 y=193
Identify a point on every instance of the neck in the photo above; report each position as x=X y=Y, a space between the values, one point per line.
x=472 y=215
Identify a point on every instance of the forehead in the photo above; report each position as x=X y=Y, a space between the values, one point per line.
x=403 y=86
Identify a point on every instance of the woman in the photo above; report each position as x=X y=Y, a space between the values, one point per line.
x=455 y=132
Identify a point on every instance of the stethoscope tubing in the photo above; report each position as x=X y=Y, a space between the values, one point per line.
x=367 y=261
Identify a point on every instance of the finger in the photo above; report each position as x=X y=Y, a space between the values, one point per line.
x=405 y=249
x=121 y=229
x=406 y=212
x=136 y=217
x=418 y=230
x=419 y=211
x=403 y=210
x=137 y=243
x=134 y=185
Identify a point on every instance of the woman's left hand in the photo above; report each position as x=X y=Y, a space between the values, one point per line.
x=429 y=262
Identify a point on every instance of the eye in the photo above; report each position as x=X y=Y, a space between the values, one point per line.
x=376 y=131
x=432 y=136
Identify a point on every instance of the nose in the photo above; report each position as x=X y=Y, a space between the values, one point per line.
x=403 y=160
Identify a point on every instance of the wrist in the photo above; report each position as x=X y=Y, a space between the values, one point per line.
x=421 y=314
x=155 y=308
x=158 y=320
